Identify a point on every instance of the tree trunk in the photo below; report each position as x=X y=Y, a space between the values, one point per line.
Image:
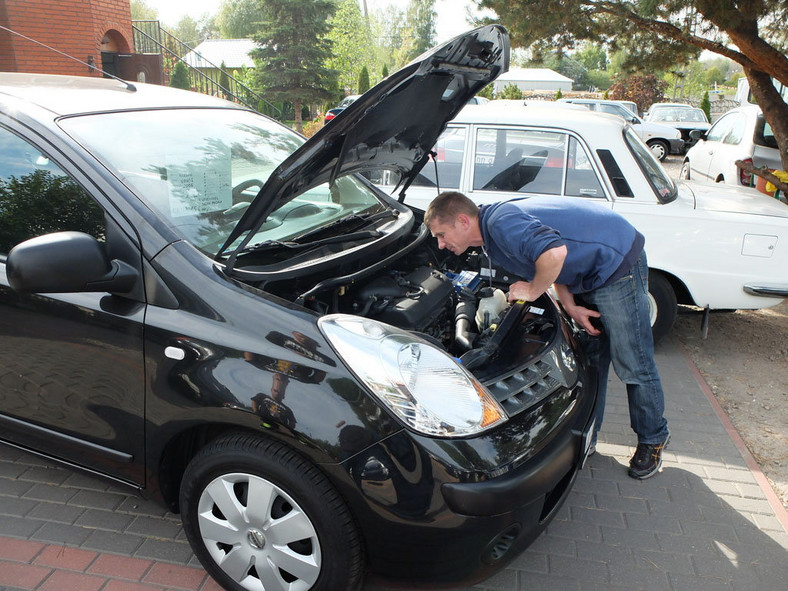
x=299 y=123
x=774 y=108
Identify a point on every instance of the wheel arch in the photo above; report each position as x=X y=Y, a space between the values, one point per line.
x=683 y=295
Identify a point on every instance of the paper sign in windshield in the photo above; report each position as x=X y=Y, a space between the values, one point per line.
x=203 y=187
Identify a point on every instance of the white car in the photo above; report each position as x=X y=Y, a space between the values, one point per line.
x=740 y=134
x=682 y=116
x=708 y=245
x=662 y=139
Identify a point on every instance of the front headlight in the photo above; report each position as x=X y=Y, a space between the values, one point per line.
x=426 y=388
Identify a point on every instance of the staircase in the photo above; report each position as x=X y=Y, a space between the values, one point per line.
x=150 y=38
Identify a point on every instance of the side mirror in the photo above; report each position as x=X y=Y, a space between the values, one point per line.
x=66 y=262
x=697 y=134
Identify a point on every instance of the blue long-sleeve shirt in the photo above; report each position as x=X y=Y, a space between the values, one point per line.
x=601 y=245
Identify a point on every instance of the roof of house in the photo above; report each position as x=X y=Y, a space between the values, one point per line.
x=211 y=53
x=533 y=75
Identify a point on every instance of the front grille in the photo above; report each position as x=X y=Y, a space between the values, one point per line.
x=526 y=387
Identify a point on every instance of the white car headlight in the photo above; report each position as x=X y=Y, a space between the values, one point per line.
x=425 y=387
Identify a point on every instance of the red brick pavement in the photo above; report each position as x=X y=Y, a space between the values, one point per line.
x=36 y=566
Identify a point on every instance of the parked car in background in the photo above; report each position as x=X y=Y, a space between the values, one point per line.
x=710 y=246
x=661 y=139
x=205 y=307
x=740 y=134
x=683 y=117
x=478 y=100
x=631 y=105
x=343 y=104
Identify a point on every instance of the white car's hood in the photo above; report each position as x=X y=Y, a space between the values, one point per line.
x=727 y=199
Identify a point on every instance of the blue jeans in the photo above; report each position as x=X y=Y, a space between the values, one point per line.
x=626 y=341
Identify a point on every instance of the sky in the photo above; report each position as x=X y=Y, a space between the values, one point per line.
x=451 y=19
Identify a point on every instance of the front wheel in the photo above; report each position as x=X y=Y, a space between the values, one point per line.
x=685 y=171
x=659 y=148
x=260 y=517
x=662 y=303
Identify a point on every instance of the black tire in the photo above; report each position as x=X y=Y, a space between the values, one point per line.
x=659 y=148
x=238 y=539
x=662 y=303
x=685 y=171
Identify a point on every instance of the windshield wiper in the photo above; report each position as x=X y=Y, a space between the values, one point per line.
x=293 y=245
x=354 y=218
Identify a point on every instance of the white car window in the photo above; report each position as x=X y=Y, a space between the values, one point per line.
x=720 y=129
x=615 y=110
x=736 y=134
x=533 y=161
x=449 y=154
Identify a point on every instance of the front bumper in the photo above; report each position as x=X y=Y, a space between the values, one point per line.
x=427 y=520
x=677 y=146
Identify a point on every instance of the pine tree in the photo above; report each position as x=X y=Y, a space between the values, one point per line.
x=292 y=47
x=363 y=80
x=180 y=76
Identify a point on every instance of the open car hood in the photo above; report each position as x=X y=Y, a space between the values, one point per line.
x=393 y=126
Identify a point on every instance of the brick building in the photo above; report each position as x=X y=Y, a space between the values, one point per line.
x=97 y=32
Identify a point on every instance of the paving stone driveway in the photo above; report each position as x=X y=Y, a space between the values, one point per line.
x=708 y=521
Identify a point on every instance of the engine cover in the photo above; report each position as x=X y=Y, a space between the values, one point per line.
x=413 y=301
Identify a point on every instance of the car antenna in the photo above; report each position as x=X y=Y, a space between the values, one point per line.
x=129 y=85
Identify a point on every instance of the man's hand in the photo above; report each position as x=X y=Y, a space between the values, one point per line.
x=521 y=290
x=579 y=314
x=582 y=316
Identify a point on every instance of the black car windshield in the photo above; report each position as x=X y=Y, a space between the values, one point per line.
x=201 y=168
x=657 y=176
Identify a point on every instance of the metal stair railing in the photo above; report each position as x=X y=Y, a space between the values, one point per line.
x=150 y=38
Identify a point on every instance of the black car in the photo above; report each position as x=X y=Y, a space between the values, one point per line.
x=200 y=305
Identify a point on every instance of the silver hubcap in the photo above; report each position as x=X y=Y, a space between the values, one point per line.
x=652 y=309
x=258 y=535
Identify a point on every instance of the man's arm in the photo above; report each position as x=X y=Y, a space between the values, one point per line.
x=548 y=266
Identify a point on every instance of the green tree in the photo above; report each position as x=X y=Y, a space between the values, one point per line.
x=599 y=79
x=714 y=76
x=559 y=94
x=384 y=72
x=592 y=56
x=487 y=91
x=363 y=80
x=180 y=76
x=239 y=19
x=142 y=12
x=658 y=35
x=418 y=32
x=351 y=42
x=224 y=81
x=292 y=48
x=188 y=30
x=386 y=31
x=705 y=105
x=511 y=91
x=643 y=90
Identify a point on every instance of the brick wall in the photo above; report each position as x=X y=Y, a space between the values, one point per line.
x=79 y=28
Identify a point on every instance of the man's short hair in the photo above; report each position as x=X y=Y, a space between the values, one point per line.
x=447 y=206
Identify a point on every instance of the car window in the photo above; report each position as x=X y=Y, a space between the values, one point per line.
x=37 y=197
x=720 y=129
x=764 y=134
x=658 y=178
x=615 y=110
x=449 y=155
x=201 y=169
x=532 y=161
x=736 y=133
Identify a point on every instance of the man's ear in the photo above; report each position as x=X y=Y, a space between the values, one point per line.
x=464 y=220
